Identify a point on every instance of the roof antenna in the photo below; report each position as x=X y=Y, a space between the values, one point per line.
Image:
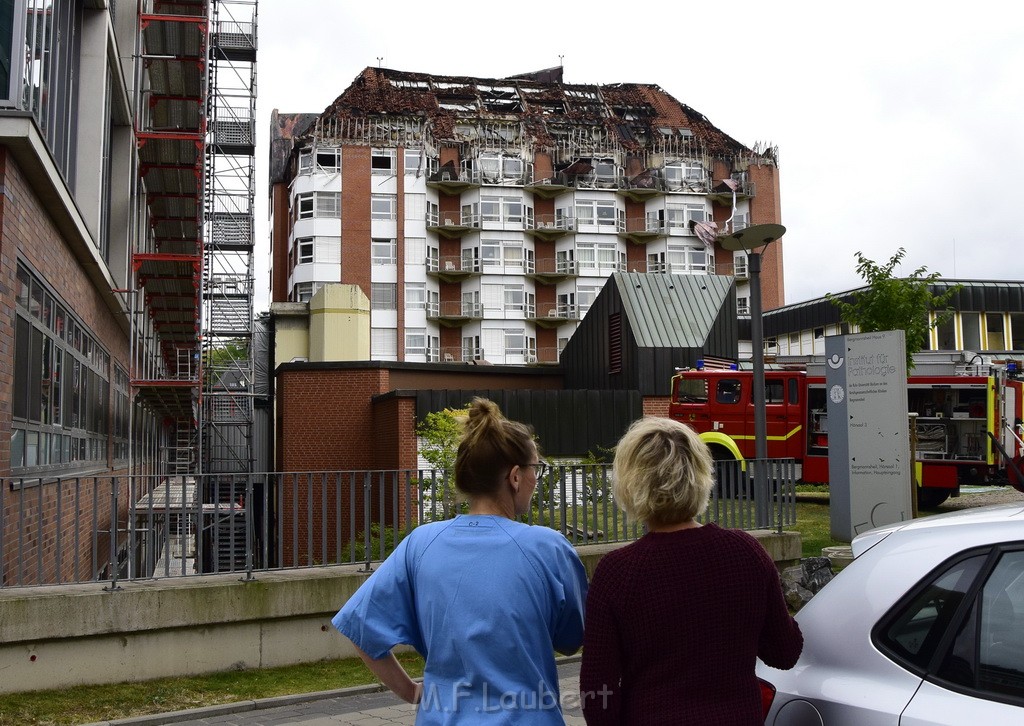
x=380 y=59
x=560 y=59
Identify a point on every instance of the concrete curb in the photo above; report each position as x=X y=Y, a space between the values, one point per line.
x=226 y=709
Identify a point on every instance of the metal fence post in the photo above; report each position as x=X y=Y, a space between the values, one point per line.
x=249 y=540
x=367 y=493
x=113 y=537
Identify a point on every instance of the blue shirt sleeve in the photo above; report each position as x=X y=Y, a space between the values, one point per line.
x=567 y=635
x=381 y=614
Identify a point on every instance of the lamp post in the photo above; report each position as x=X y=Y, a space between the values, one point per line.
x=749 y=239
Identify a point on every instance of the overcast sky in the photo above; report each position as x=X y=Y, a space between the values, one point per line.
x=898 y=123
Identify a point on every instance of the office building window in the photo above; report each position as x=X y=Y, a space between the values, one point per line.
x=415 y=295
x=383 y=251
x=382 y=296
x=60 y=403
x=382 y=162
x=382 y=206
x=304 y=250
x=383 y=343
x=414 y=162
x=415 y=250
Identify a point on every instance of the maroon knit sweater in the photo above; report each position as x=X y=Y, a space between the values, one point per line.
x=674 y=624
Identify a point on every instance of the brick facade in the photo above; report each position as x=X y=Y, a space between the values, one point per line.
x=39 y=519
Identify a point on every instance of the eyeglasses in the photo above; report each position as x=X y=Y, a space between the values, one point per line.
x=540 y=468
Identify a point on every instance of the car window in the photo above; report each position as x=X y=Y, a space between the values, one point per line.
x=913 y=632
x=773 y=392
x=727 y=391
x=692 y=390
x=988 y=652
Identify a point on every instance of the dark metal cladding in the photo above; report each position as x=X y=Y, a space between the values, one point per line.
x=567 y=423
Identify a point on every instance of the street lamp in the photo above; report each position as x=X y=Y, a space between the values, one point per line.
x=749 y=239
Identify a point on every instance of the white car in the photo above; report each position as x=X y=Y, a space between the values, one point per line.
x=925 y=626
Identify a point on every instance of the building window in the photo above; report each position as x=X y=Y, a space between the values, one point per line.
x=415 y=296
x=518 y=343
x=1015 y=340
x=496 y=253
x=61 y=395
x=418 y=344
x=586 y=294
x=328 y=160
x=383 y=251
x=684 y=174
x=318 y=204
x=302 y=292
x=304 y=250
x=43 y=75
x=971 y=325
x=739 y=265
x=495 y=209
x=471 y=349
x=743 y=306
x=328 y=205
x=383 y=343
x=995 y=340
x=494 y=168
x=603 y=257
x=382 y=206
x=414 y=161
x=122 y=408
x=599 y=212
x=382 y=162
x=415 y=251
x=517 y=300
x=382 y=296
x=305 y=161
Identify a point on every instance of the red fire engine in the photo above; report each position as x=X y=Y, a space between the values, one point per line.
x=968 y=423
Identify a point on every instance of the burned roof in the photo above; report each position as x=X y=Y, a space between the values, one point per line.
x=635 y=116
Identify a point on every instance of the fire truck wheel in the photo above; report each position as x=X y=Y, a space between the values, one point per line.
x=931 y=498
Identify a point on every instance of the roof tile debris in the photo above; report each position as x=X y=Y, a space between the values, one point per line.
x=633 y=116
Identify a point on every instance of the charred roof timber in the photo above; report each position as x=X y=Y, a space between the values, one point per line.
x=384 y=106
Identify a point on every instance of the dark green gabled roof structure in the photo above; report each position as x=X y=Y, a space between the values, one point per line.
x=642 y=327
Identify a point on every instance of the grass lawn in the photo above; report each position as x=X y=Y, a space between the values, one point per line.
x=812 y=522
x=85 y=704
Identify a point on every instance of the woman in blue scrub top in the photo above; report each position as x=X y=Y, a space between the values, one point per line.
x=486 y=600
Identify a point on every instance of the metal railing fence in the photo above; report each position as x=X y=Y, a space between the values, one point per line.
x=108 y=528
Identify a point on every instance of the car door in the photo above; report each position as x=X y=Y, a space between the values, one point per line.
x=979 y=678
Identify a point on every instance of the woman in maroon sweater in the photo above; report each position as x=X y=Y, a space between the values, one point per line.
x=676 y=620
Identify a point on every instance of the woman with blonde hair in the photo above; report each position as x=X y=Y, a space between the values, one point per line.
x=677 y=619
x=485 y=599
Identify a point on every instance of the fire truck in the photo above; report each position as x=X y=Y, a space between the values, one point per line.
x=968 y=423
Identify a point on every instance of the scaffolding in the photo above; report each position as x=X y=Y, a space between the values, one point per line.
x=227 y=307
x=192 y=265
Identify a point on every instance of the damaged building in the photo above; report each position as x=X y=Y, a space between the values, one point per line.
x=482 y=217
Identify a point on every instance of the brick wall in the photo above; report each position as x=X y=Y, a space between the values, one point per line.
x=355 y=216
x=35 y=526
x=766 y=208
x=329 y=424
x=656 y=406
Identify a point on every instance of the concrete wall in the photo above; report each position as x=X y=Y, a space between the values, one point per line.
x=55 y=637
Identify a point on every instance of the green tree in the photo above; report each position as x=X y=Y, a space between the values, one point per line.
x=440 y=432
x=896 y=303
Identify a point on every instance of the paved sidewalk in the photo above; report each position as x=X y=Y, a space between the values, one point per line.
x=365 y=706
